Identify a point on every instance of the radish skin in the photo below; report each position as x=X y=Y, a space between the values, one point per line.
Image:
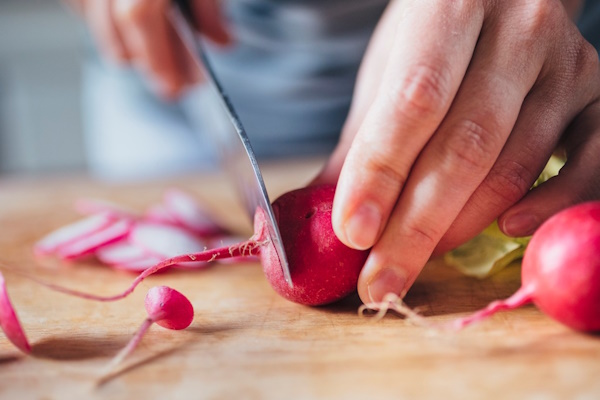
x=323 y=269
x=166 y=307
x=560 y=271
x=9 y=322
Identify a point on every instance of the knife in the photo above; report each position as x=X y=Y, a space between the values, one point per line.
x=237 y=155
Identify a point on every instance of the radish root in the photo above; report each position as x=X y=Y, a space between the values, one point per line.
x=393 y=302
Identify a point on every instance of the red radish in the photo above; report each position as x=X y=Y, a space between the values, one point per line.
x=9 y=322
x=166 y=307
x=560 y=274
x=560 y=271
x=323 y=269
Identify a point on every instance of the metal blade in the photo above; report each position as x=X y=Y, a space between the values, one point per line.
x=236 y=151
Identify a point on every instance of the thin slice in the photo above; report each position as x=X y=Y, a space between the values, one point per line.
x=71 y=233
x=189 y=213
x=10 y=322
x=121 y=252
x=165 y=241
x=90 y=243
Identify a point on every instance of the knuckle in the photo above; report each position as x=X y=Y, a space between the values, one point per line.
x=389 y=173
x=423 y=93
x=424 y=233
x=470 y=144
x=586 y=61
x=540 y=16
x=508 y=182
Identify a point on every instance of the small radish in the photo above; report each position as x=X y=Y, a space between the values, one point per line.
x=166 y=307
x=323 y=269
x=560 y=274
x=560 y=271
x=9 y=322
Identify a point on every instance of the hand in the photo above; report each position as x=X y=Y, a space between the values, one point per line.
x=139 y=32
x=457 y=108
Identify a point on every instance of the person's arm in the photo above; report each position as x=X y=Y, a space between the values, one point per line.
x=457 y=108
x=138 y=32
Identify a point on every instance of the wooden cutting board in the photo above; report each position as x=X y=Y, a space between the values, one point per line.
x=248 y=343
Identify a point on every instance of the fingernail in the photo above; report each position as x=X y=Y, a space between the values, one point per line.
x=363 y=226
x=523 y=224
x=388 y=280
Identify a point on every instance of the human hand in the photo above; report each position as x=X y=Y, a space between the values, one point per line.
x=457 y=108
x=138 y=32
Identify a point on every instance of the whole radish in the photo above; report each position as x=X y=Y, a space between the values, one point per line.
x=166 y=307
x=560 y=271
x=323 y=269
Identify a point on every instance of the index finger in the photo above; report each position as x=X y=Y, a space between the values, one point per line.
x=426 y=65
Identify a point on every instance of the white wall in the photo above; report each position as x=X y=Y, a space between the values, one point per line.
x=41 y=49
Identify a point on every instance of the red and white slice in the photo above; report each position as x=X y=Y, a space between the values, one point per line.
x=89 y=243
x=187 y=212
x=166 y=241
x=68 y=234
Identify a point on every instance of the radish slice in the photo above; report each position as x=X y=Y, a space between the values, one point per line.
x=164 y=240
x=188 y=213
x=89 y=243
x=71 y=233
x=138 y=265
x=9 y=322
x=87 y=206
x=121 y=252
x=159 y=214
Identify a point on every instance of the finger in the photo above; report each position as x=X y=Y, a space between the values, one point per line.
x=367 y=84
x=100 y=17
x=557 y=97
x=152 y=42
x=209 y=19
x=455 y=161
x=418 y=86
x=578 y=180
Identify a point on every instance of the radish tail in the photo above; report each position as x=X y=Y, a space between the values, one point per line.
x=523 y=296
x=135 y=340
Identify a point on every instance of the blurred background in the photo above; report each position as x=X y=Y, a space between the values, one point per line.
x=40 y=87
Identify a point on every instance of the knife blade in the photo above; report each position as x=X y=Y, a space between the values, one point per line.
x=237 y=155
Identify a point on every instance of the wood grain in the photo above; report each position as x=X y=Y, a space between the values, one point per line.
x=248 y=343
